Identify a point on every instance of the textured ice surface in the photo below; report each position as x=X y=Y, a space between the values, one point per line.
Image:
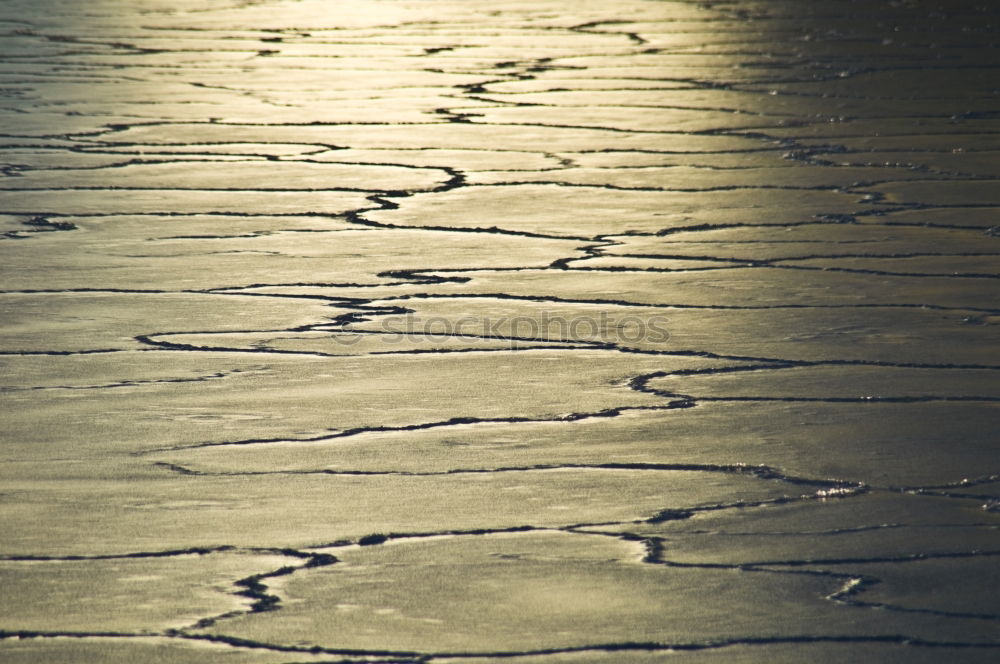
x=427 y=333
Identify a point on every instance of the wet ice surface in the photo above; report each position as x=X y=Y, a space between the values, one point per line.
x=392 y=331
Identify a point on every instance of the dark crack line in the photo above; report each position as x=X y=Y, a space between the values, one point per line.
x=762 y=472
x=454 y=421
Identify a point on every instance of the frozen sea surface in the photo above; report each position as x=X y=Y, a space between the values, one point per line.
x=461 y=332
